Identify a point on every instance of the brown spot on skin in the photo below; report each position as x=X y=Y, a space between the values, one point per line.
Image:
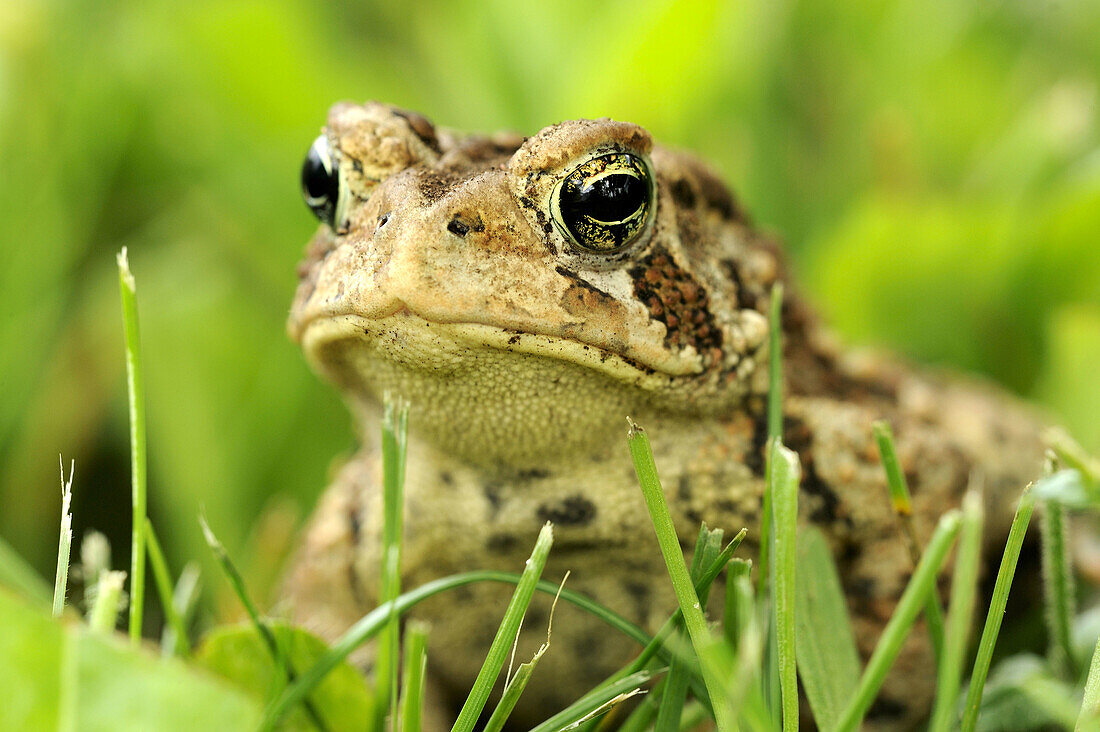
x=572 y=511
x=675 y=299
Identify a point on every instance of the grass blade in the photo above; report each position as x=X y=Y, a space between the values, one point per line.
x=135 y=385
x=372 y=623
x=997 y=609
x=595 y=702
x=828 y=661
x=163 y=581
x=903 y=507
x=395 y=417
x=900 y=622
x=514 y=687
x=675 y=684
x=509 y=626
x=1058 y=587
x=785 y=476
x=64 y=542
x=656 y=645
x=642 y=455
x=412 y=684
x=964 y=584
x=775 y=423
x=236 y=581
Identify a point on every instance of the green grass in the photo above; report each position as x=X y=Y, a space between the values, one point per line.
x=135 y=389
x=745 y=677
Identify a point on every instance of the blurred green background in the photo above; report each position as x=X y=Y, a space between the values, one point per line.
x=933 y=165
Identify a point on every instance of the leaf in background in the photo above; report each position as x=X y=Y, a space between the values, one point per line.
x=827 y=659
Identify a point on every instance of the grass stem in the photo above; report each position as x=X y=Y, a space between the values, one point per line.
x=785 y=476
x=896 y=630
x=163 y=581
x=65 y=540
x=135 y=383
x=646 y=469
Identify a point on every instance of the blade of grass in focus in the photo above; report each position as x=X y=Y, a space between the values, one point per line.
x=646 y=469
x=828 y=660
x=995 y=616
x=785 y=475
x=515 y=685
x=900 y=622
x=135 y=386
x=372 y=623
x=595 y=703
x=509 y=626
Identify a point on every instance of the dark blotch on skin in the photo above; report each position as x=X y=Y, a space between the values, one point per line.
x=886 y=708
x=457 y=227
x=501 y=543
x=797 y=436
x=682 y=193
x=461 y=227
x=572 y=511
x=745 y=300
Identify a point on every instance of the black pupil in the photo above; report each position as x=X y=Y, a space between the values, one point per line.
x=610 y=199
x=320 y=183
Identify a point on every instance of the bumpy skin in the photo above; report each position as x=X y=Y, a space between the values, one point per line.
x=450 y=284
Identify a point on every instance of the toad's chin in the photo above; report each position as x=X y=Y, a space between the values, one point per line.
x=479 y=391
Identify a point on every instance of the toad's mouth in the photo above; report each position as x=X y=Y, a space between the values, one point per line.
x=406 y=339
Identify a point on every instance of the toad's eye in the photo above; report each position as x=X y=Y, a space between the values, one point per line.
x=321 y=182
x=605 y=203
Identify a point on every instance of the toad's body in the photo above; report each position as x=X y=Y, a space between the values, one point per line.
x=524 y=309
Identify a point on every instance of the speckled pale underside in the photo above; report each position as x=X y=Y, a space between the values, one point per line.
x=450 y=284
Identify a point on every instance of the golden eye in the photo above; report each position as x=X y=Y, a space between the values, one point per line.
x=605 y=203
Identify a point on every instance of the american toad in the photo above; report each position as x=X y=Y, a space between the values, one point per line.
x=526 y=295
